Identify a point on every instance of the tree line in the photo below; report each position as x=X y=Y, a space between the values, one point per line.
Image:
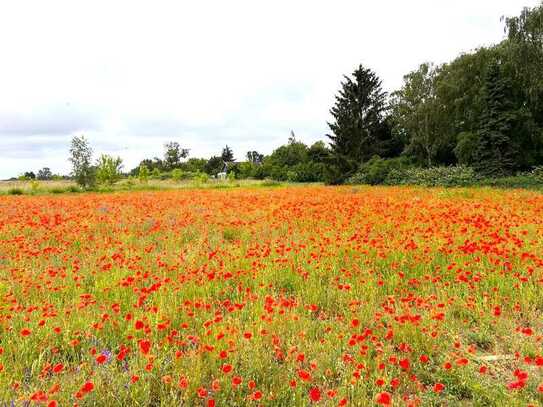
x=483 y=110
x=294 y=161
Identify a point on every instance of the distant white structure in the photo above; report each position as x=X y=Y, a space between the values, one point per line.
x=222 y=175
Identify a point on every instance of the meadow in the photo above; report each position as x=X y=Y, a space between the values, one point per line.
x=34 y=187
x=331 y=296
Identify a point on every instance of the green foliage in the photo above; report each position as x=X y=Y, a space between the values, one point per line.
x=81 y=157
x=173 y=155
x=294 y=162
x=376 y=170
x=151 y=164
x=359 y=128
x=418 y=113
x=306 y=172
x=288 y=155
x=201 y=178
x=496 y=151
x=155 y=174
x=194 y=165
x=73 y=188
x=45 y=174
x=537 y=173
x=177 y=174
x=214 y=165
x=130 y=182
x=433 y=176
x=143 y=173
x=108 y=169
x=483 y=109
x=459 y=89
x=15 y=191
x=34 y=186
x=318 y=152
x=227 y=155
x=247 y=169
x=254 y=157
x=524 y=47
x=466 y=147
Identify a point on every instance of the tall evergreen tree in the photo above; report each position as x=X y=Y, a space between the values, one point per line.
x=227 y=155
x=357 y=129
x=496 y=152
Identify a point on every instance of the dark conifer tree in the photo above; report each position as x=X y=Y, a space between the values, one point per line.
x=357 y=129
x=227 y=155
x=496 y=151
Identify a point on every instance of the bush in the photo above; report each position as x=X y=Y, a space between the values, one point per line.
x=246 y=170
x=15 y=191
x=306 y=172
x=155 y=174
x=73 y=188
x=278 y=173
x=433 y=176
x=143 y=173
x=177 y=174
x=201 y=177
x=376 y=170
x=34 y=186
x=108 y=169
x=537 y=173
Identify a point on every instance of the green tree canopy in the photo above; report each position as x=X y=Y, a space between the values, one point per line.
x=80 y=157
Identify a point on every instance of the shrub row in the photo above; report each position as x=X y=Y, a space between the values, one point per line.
x=397 y=171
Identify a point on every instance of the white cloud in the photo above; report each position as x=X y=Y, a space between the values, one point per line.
x=135 y=74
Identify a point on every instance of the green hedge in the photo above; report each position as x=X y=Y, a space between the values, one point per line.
x=433 y=176
x=397 y=172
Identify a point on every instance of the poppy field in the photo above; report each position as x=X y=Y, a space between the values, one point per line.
x=286 y=296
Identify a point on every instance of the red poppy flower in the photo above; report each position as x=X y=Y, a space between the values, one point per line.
x=438 y=387
x=384 y=399
x=87 y=387
x=314 y=394
x=145 y=345
x=58 y=368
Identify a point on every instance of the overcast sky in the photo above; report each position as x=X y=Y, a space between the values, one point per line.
x=133 y=75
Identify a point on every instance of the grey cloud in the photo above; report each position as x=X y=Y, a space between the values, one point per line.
x=55 y=120
x=19 y=147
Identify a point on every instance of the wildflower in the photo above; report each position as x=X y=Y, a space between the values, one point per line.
x=438 y=387
x=384 y=399
x=314 y=394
